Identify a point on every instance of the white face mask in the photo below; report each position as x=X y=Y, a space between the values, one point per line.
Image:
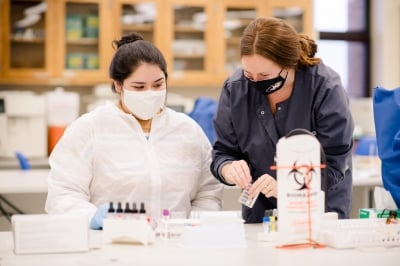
x=144 y=104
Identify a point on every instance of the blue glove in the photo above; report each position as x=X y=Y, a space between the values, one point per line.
x=97 y=220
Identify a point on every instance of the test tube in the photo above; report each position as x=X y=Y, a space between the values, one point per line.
x=266 y=224
x=128 y=211
x=165 y=234
x=134 y=208
x=119 y=210
x=127 y=208
x=275 y=214
x=111 y=210
x=267 y=221
x=272 y=225
x=142 y=209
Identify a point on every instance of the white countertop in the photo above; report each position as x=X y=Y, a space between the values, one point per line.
x=169 y=252
x=23 y=181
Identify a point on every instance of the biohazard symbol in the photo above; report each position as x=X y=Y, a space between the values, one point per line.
x=302 y=175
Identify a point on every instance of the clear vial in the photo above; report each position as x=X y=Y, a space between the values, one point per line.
x=266 y=224
x=165 y=233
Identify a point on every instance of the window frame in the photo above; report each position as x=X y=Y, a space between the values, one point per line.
x=363 y=37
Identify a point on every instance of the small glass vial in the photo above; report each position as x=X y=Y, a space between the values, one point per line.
x=134 y=211
x=275 y=215
x=165 y=234
x=111 y=210
x=272 y=224
x=142 y=213
x=266 y=224
x=119 y=211
x=128 y=213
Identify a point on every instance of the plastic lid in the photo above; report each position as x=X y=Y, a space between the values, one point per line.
x=119 y=207
x=127 y=209
x=134 y=208
x=111 y=207
x=142 y=209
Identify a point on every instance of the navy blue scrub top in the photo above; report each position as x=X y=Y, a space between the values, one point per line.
x=247 y=130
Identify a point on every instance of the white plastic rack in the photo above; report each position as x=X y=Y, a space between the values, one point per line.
x=353 y=233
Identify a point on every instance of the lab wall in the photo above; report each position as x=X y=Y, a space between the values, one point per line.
x=385 y=43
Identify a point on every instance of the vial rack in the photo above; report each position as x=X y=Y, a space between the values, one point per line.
x=354 y=233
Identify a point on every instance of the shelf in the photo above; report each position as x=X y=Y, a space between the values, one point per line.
x=189 y=56
x=28 y=41
x=233 y=40
x=189 y=29
x=83 y=41
x=138 y=27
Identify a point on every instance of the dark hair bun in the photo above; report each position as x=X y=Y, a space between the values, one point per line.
x=128 y=39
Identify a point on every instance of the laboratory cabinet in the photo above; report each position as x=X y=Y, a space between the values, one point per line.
x=54 y=42
x=69 y=42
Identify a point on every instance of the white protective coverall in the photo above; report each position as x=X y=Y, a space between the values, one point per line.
x=104 y=156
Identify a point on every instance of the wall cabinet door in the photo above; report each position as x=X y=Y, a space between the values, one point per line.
x=138 y=16
x=55 y=42
x=26 y=27
x=235 y=17
x=188 y=42
x=204 y=36
x=83 y=50
x=299 y=13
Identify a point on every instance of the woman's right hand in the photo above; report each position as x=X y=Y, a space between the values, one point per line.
x=237 y=172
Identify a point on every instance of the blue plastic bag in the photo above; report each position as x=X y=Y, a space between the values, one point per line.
x=386 y=106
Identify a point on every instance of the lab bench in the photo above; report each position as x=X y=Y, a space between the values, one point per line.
x=13 y=163
x=256 y=251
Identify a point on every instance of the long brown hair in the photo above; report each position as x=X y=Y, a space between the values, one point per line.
x=275 y=39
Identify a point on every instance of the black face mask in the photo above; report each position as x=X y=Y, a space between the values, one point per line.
x=269 y=86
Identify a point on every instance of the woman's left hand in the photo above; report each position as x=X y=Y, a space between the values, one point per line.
x=266 y=185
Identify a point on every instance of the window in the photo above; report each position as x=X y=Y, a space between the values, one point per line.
x=344 y=41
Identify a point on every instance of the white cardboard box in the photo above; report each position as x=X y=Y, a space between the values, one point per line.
x=44 y=233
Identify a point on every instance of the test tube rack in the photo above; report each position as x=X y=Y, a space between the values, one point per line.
x=355 y=233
